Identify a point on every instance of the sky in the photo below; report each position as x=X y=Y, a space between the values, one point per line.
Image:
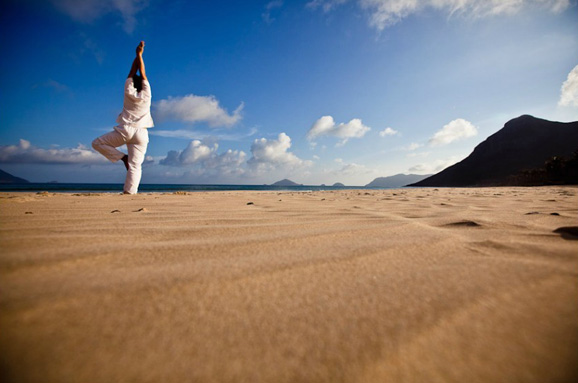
x=252 y=92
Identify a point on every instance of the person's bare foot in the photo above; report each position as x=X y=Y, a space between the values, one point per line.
x=140 y=48
x=125 y=161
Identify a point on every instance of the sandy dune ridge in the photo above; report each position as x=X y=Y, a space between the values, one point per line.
x=409 y=285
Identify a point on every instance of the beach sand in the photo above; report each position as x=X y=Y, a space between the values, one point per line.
x=412 y=285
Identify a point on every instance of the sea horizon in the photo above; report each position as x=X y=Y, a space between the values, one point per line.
x=118 y=187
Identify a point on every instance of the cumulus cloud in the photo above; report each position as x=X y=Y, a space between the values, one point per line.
x=195 y=109
x=325 y=126
x=569 y=91
x=203 y=160
x=26 y=153
x=454 y=131
x=274 y=154
x=385 y=13
x=388 y=132
x=87 y=11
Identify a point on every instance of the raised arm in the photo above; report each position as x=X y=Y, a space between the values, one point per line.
x=141 y=65
x=138 y=62
x=133 y=68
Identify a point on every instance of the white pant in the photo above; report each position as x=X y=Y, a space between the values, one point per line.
x=136 y=140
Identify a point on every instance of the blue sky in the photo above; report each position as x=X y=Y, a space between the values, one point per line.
x=251 y=92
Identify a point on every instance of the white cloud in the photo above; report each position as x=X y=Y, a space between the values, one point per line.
x=196 y=151
x=87 y=11
x=269 y=7
x=413 y=146
x=433 y=166
x=203 y=160
x=274 y=154
x=325 y=126
x=569 y=91
x=388 y=132
x=26 y=153
x=385 y=13
x=454 y=131
x=195 y=109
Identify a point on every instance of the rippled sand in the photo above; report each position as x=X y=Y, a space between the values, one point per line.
x=416 y=285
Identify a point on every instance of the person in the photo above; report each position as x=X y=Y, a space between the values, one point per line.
x=133 y=122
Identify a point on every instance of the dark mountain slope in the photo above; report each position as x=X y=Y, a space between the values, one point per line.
x=523 y=143
x=7 y=178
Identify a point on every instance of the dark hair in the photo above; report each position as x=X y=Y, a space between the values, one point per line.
x=137 y=81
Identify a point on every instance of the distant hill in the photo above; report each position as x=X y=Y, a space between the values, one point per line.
x=6 y=178
x=396 y=181
x=286 y=182
x=524 y=143
x=338 y=185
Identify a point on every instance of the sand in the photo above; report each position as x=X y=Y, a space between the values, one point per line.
x=417 y=285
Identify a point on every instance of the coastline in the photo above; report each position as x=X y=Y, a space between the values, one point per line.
x=367 y=285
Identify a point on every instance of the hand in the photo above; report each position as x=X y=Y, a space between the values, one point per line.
x=140 y=48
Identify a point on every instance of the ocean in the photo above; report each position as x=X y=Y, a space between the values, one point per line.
x=144 y=188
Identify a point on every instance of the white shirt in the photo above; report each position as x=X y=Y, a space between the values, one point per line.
x=136 y=111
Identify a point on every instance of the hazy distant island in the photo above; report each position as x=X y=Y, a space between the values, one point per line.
x=396 y=181
x=7 y=178
x=527 y=151
x=338 y=185
x=286 y=182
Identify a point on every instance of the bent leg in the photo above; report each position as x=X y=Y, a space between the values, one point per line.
x=107 y=144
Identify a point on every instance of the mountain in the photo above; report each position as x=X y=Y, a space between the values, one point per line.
x=396 y=181
x=524 y=143
x=6 y=178
x=286 y=182
x=338 y=185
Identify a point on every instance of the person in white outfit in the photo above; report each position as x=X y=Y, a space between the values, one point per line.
x=133 y=122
